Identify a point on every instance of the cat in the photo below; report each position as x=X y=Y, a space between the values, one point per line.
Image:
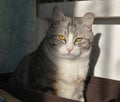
x=60 y=64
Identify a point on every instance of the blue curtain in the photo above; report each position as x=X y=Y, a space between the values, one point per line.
x=17 y=31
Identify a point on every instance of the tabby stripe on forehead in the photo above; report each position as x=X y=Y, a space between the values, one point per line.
x=72 y=27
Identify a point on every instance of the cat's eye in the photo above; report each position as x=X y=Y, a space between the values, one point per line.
x=79 y=40
x=61 y=37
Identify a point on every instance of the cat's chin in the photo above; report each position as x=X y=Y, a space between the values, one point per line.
x=69 y=56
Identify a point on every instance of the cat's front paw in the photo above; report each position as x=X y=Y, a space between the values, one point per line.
x=82 y=99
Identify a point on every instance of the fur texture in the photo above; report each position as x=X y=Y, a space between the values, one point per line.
x=61 y=62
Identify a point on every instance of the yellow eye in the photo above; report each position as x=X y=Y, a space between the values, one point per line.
x=61 y=37
x=79 y=40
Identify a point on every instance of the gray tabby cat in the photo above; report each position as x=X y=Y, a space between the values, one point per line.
x=61 y=62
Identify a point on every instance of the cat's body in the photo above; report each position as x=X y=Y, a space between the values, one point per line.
x=60 y=64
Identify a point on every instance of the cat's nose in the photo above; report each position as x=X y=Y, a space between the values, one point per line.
x=69 y=49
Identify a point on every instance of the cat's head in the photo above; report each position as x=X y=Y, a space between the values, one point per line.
x=69 y=37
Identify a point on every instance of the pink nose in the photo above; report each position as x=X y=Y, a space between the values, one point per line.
x=69 y=49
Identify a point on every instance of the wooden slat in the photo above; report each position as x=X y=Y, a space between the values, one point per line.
x=101 y=8
x=108 y=20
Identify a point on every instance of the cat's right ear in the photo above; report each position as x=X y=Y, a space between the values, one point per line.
x=57 y=14
x=88 y=19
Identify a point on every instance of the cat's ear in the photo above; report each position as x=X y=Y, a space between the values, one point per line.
x=88 y=19
x=57 y=14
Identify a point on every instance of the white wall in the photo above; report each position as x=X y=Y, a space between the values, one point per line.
x=101 y=8
x=108 y=64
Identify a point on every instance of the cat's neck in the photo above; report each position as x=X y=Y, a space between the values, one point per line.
x=68 y=69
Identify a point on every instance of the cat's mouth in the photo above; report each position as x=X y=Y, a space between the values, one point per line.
x=69 y=56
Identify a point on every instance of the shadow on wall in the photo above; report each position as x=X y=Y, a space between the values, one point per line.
x=94 y=53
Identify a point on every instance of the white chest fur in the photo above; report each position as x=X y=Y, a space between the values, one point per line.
x=70 y=77
x=72 y=70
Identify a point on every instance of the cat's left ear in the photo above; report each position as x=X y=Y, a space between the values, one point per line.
x=88 y=19
x=57 y=14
